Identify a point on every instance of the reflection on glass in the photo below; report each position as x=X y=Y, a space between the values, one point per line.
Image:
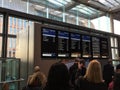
x=11 y=48
x=12 y=69
x=15 y=25
x=115 y=54
x=9 y=71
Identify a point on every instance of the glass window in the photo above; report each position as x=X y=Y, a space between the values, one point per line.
x=16 y=25
x=116 y=27
x=115 y=53
x=11 y=48
x=1 y=23
x=114 y=42
x=18 y=5
x=0 y=46
x=102 y=23
x=114 y=48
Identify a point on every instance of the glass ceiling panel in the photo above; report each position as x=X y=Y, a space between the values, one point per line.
x=70 y=7
x=110 y=3
x=52 y=3
x=60 y=3
x=85 y=10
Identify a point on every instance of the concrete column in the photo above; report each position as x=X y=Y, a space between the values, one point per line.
x=111 y=23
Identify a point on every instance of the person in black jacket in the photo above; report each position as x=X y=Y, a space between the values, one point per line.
x=72 y=71
x=108 y=72
x=93 y=78
x=81 y=68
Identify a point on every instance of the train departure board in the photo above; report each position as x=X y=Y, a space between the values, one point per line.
x=86 y=46
x=63 y=44
x=96 y=47
x=48 y=43
x=75 y=45
x=104 y=47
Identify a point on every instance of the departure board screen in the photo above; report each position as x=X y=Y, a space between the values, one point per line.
x=96 y=47
x=48 y=43
x=63 y=44
x=75 y=45
x=86 y=46
x=104 y=47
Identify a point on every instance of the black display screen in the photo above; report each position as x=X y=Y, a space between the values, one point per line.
x=86 y=46
x=48 y=43
x=75 y=45
x=63 y=44
x=104 y=47
x=96 y=47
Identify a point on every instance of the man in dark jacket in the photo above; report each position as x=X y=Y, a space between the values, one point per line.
x=108 y=72
x=72 y=71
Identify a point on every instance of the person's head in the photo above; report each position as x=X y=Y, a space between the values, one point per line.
x=5 y=86
x=82 y=63
x=36 y=68
x=109 y=61
x=94 y=72
x=58 y=75
x=118 y=68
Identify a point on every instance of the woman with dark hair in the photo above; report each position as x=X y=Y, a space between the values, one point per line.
x=92 y=80
x=58 y=77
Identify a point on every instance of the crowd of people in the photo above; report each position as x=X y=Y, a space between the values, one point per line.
x=76 y=77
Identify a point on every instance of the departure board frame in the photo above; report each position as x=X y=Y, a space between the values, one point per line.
x=63 y=42
x=48 y=43
x=86 y=46
x=68 y=44
x=104 y=50
x=95 y=47
x=75 y=45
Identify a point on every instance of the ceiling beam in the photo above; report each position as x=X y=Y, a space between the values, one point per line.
x=115 y=9
x=93 y=4
x=69 y=6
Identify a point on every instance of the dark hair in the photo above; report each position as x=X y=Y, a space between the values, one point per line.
x=82 y=62
x=118 y=66
x=58 y=77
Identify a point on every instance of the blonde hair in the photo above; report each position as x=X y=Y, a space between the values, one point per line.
x=40 y=75
x=94 y=72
